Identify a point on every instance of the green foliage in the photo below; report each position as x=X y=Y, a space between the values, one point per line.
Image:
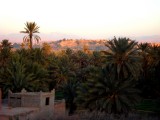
x=103 y=92
x=64 y=71
x=123 y=57
x=40 y=79
x=5 y=52
x=17 y=77
x=59 y=95
x=149 y=82
x=102 y=81
x=23 y=52
x=96 y=59
x=149 y=105
x=25 y=72
x=37 y=55
x=69 y=92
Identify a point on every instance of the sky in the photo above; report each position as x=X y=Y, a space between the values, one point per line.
x=86 y=18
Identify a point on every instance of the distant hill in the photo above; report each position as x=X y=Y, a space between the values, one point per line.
x=18 y=37
x=75 y=44
x=78 y=44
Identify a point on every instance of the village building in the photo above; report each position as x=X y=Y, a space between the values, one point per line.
x=28 y=105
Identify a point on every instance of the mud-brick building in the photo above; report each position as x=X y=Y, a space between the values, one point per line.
x=31 y=99
x=28 y=105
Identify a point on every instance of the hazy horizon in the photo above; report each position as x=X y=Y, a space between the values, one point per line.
x=94 y=19
x=18 y=38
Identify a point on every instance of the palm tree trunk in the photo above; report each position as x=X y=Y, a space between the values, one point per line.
x=30 y=45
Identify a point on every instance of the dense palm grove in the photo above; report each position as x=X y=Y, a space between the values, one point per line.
x=111 y=81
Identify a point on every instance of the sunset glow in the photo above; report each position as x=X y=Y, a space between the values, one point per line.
x=90 y=18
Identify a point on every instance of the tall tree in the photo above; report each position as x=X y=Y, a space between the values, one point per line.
x=123 y=57
x=16 y=76
x=103 y=92
x=154 y=70
x=144 y=81
x=40 y=79
x=31 y=28
x=69 y=91
x=38 y=56
x=6 y=44
x=5 y=52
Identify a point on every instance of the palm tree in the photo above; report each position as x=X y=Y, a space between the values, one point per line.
x=38 y=56
x=5 y=52
x=24 y=74
x=82 y=61
x=30 y=29
x=153 y=75
x=144 y=47
x=65 y=69
x=6 y=44
x=25 y=53
x=103 y=92
x=40 y=79
x=17 y=77
x=69 y=91
x=123 y=56
x=154 y=54
x=96 y=58
x=144 y=79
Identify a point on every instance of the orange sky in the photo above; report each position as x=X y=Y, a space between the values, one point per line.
x=91 y=18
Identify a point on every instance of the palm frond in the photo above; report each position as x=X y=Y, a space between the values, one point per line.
x=30 y=29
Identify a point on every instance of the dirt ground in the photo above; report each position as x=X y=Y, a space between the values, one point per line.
x=60 y=113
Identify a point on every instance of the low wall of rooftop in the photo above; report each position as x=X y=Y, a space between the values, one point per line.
x=31 y=99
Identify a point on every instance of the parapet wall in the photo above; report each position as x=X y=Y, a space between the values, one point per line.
x=31 y=99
